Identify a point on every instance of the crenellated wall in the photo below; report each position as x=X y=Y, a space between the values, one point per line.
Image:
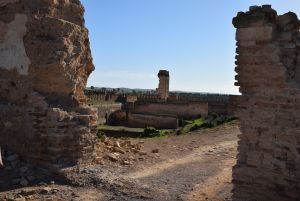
x=268 y=66
x=45 y=61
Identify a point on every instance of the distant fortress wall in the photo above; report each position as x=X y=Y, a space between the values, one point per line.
x=181 y=105
x=185 y=110
x=105 y=110
x=142 y=120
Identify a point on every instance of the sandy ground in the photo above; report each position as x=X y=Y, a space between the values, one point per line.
x=191 y=167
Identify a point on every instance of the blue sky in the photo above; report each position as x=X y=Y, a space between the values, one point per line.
x=193 y=39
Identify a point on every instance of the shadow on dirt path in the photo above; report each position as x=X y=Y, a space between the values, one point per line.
x=192 y=167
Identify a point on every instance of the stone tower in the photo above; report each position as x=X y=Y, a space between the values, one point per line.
x=163 y=86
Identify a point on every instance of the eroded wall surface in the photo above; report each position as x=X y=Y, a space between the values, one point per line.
x=105 y=110
x=163 y=86
x=45 y=61
x=186 y=110
x=13 y=54
x=156 y=121
x=268 y=65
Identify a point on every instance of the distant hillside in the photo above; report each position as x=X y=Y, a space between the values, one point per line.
x=122 y=90
x=150 y=91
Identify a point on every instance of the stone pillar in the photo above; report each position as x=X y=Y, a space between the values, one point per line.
x=45 y=61
x=268 y=66
x=163 y=86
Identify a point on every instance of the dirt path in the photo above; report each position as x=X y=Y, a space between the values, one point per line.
x=192 y=167
x=200 y=175
x=215 y=188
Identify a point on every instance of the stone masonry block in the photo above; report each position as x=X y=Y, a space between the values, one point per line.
x=268 y=61
x=255 y=33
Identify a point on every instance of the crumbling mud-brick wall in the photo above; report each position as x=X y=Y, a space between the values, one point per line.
x=268 y=67
x=45 y=61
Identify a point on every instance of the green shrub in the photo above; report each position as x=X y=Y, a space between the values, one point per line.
x=151 y=132
x=101 y=135
x=194 y=127
x=210 y=121
x=207 y=124
x=197 y=123
x=229 y=119
x=165 y=133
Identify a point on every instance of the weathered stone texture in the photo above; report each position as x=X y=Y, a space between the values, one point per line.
x=12 y=45
x=163 y=86
x=254 y=34
x=156 y=121
x=105 y=110
x=268 y=166
x=45 y=61
x=185 y=110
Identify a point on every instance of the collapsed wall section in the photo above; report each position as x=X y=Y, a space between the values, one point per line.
x=268 y=65
x=45 y=61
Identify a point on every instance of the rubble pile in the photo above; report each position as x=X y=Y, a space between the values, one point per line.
x=119 y=151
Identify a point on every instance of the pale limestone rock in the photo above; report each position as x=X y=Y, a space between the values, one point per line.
x=12 y=50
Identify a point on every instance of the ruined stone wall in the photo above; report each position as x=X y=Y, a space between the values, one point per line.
x=45 y=61
x=105 y=110
x=180 y=109
x=149 y=98
x=268 y=66
x=218 y=108
x=217 y=103
x=156 y=121
x=95 y=96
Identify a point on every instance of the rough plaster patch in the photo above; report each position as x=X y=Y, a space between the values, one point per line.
x=12 y=50
x=254 y=33
x=5 y=2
